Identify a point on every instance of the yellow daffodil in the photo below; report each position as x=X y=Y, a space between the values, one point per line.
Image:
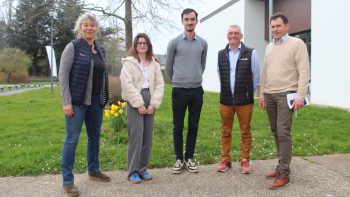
x=116 y=115
x=114 y=107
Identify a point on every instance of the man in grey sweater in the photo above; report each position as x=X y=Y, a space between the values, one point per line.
x=185 y=64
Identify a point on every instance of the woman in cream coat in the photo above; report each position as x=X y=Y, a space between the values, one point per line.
x=143 y=88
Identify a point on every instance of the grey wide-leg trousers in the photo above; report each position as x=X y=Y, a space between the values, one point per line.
x=140 y=132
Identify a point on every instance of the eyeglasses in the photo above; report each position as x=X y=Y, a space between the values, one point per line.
x=234 y=33
x=142 y=43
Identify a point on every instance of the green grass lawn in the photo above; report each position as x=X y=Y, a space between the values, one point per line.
x=32 y=131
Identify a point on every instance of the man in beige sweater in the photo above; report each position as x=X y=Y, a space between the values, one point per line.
x=285 y=70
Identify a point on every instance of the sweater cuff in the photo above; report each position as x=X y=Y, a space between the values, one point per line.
x=300 y=96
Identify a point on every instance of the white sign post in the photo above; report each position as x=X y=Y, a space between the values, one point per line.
x=53 y=62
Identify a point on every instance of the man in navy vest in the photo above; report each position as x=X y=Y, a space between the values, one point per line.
x=238 y=70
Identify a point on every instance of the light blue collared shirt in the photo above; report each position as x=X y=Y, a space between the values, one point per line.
x=185 y=37
x=283 y=39
x=233 y=57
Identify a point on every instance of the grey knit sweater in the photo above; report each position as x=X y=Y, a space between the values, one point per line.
x=185 y=61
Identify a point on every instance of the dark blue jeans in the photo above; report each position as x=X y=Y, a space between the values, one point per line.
x=181 y=99
x=92 y=116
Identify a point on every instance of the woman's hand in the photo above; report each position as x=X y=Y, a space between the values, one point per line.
x=142 y=110
x=150 y=109
x=68 y=110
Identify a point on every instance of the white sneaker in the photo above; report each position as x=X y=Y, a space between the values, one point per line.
x=191 y=166
x=178 y=166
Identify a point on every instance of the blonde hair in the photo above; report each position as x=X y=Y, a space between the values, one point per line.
x=81 y=20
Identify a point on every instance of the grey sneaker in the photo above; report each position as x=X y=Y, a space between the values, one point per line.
x=178 y=166
x=71 y=190
x=191 y=166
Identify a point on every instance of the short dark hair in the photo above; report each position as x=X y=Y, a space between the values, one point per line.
x=187 y=11
x=279 y=15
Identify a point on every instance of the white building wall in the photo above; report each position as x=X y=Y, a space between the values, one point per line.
x=214 y=31
x=254 y=33
x=330 y=66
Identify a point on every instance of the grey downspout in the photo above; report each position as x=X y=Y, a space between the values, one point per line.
x=270 y=14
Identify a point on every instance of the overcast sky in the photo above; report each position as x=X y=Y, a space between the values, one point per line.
x=160 y=40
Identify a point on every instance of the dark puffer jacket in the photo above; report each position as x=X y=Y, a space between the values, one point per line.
x=80 y=71
x=244 y=88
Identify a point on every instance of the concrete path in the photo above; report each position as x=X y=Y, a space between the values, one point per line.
x=311 y=176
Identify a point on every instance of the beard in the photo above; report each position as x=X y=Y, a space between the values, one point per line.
x=190 y=28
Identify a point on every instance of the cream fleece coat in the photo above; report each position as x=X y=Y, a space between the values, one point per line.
x=132 y=80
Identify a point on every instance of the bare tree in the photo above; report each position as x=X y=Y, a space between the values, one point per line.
x=9 y=12
x=139 y=12
x=6 y=11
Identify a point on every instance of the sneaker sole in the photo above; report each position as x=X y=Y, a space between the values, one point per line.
x=192 y=171
x=246 y=172
x=223 y=170
x=177 y=171
x=135 y=182
x=145 y=180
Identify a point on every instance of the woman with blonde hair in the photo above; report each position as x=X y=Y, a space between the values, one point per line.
x=83 y=82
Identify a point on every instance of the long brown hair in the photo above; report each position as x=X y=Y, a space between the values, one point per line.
x=133 y=49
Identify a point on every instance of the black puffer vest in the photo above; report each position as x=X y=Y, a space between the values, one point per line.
x=80 y=72
x=244 y=88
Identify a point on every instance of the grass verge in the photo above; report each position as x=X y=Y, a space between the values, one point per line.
x=32 y=131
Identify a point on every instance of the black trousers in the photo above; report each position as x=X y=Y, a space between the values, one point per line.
x=183 y=98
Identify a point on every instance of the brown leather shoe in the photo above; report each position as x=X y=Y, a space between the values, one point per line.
x=271 y=175
x=99 y=177
x=71 y=190
x=279 y=182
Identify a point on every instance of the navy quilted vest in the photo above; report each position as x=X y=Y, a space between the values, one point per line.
x=80 y=71
x=244 y=88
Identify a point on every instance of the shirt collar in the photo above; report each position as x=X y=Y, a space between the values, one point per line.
x=239 y=47
x=185 y=38
x=283 y=39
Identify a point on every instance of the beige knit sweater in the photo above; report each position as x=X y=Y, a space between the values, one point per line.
x=286 y=68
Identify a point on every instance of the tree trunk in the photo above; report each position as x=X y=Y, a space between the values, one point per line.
x=9 y=77
x=34 y=63
x=128 y=25
x=9 y=22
